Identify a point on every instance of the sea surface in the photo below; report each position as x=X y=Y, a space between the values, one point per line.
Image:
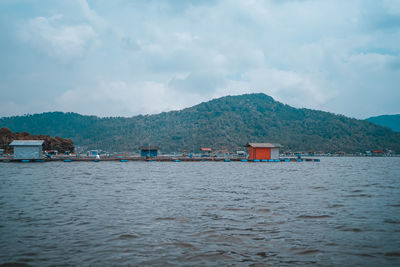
x=340 y=211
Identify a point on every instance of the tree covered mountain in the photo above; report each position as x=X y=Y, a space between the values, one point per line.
x=225 y=123
x=391 y=121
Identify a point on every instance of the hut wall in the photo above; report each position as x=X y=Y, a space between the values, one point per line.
x=260 y=153
x=150 y=153
x=27 y=152
x=275 y=153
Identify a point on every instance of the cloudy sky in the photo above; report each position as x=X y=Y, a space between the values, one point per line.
x=123 y=58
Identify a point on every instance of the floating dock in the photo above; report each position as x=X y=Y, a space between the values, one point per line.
x=159 y=159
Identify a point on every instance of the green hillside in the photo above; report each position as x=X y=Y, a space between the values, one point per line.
x=224 y=123
x=391 y=121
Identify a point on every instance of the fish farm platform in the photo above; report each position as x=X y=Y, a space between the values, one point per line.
x=158 y=159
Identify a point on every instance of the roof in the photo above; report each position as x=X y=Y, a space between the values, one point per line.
x=27 y=143
x=148 y=148
x=262 y=145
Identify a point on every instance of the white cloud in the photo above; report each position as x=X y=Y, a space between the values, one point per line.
x=54 y=37
x=91 y=15
x=120 y=98
x=288 y=87
x=198 y=83
x=185 y=37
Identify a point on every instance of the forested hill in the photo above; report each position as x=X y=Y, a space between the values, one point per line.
x=224 y=123
x=391 y=121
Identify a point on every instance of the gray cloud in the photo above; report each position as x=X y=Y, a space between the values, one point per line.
x=315 y=54
x=200 y=83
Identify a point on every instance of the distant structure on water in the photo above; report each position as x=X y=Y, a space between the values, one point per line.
x=27 y=149
x=148 y=151
x=93 y=153
x=205 y=151
x=262 y=151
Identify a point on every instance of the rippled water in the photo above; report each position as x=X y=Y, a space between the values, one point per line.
x=340 y=211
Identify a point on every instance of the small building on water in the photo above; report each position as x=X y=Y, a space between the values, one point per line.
x=205 y=151
x=92 y=153
x=263 y=150
x=378 y=153
x=28 y=149
x=241 y=154
x=148 y=151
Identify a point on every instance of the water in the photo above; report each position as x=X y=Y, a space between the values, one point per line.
x=340 y=211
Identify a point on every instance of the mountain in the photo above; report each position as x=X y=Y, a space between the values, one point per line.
x=225 y=123
x=391 y=121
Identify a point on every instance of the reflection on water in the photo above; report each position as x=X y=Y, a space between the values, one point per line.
x=341 y=211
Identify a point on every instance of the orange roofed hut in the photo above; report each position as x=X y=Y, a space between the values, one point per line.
x=263 y=150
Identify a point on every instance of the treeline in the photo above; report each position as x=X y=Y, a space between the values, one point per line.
x=225 y=123
x=50 y=143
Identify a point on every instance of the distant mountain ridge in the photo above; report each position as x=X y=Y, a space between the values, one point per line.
x=226 y=123
x=391 y=121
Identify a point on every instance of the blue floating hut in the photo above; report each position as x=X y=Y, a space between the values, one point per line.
x=148 y=151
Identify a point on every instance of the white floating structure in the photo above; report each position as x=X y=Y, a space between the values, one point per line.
x=27 y=149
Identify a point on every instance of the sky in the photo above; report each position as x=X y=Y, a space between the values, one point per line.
x=124 y=58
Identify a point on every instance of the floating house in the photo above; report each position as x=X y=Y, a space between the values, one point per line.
x=92 y=153
x=27 y=149
x=148 y=151
x=262 y=151
x=241 y=153
x=378 y=153
x=205 y=151
x=52 y=152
